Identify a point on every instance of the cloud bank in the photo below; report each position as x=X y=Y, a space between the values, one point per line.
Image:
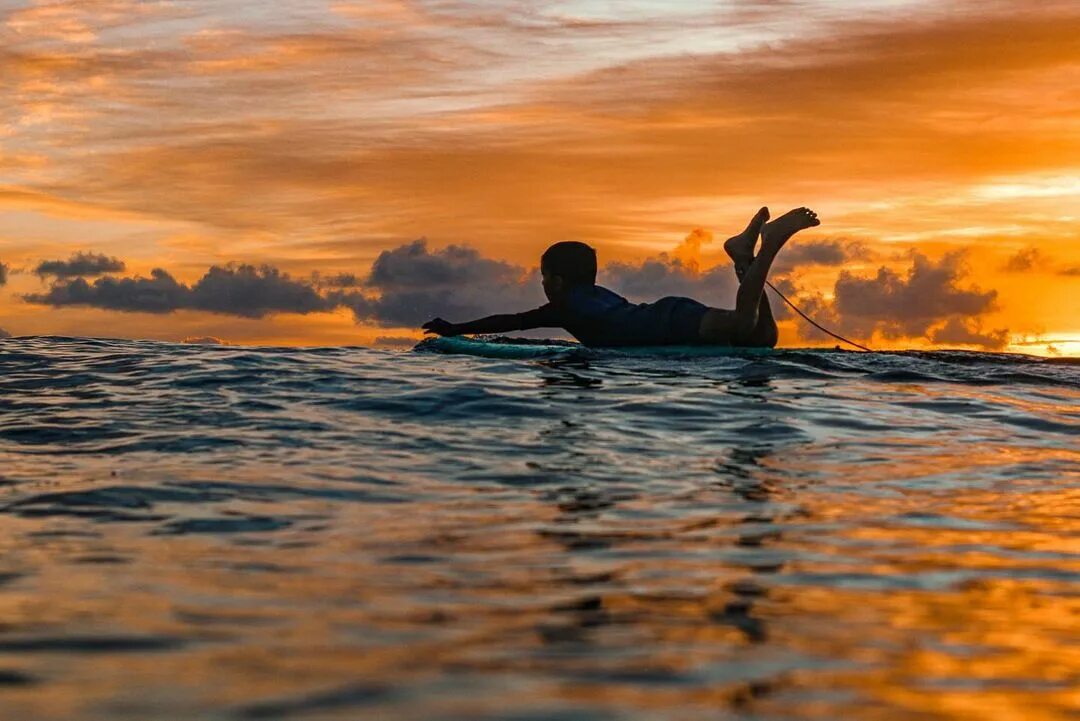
x=906 y=306
x=241 y=290
x=412 y=283
x=929 y=302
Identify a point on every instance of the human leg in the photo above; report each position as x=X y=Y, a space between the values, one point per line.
x=736 y=327
x=740 y=248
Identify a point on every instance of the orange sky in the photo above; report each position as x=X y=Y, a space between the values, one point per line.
x=312 y=136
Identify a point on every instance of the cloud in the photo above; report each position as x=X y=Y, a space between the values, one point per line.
x=414 y=284
x=240 y=290
x=160 y=293
x=336 y=280
x=76 y=22
x=1023 y=261
x=822 y=252
x=4 y=269
x=406 y=286
x=958 y=331
x=859 y=98
x=1032 y=258
x=204 y=340
x=909 y=305
x=4 y=333
x=84 y=264
x=253 y=292
x=826 y=252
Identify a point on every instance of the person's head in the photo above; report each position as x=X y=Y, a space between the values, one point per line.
x=565 y=266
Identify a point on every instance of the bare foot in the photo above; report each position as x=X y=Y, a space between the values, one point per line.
x=741 y=247
x=776 y=233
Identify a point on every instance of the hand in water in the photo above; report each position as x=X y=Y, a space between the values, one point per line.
x=439 y=327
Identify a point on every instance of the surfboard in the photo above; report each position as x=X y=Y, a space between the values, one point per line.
x=525 y=348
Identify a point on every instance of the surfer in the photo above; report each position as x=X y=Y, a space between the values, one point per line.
x=598 y=317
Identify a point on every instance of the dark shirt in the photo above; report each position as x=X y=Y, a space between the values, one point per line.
x=598 y=317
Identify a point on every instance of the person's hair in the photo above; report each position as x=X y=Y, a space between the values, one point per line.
x=572 y=261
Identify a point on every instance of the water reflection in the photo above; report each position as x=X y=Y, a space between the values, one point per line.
x=215 y=533
x=565 y=374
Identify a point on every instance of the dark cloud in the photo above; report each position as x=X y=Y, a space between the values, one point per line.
x=828 y=252
x=958 y=331
x=242 y=290
x=908 y=306
x=80 y=264
x=1072 y=271
x=3 y=273
x=1023 y=261
x=412 y=265
x=414 y=284
x=160 y=293
x=336 y=280
x=821 y=252
x=407 y=286
x=253 y=292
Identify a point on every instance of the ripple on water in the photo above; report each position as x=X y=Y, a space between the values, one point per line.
x=203 y=532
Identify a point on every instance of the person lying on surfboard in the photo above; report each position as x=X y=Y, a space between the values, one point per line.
x=598 y=317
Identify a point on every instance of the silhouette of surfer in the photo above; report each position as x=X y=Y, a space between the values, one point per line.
x=598 y=317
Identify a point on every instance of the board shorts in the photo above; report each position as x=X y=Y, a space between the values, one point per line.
x=600 y=318
x=673 y=321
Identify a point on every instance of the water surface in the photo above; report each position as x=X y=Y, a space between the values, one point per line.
x=237 y=533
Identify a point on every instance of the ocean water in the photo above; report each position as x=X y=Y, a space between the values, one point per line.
x=197 y=532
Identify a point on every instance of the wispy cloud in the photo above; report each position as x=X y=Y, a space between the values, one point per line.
x=321 y=136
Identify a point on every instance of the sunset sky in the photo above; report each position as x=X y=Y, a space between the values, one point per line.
x=332 y=172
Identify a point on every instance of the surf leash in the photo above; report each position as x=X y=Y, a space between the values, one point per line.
x=814 y=323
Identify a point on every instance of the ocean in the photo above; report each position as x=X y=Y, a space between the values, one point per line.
x=203 y=532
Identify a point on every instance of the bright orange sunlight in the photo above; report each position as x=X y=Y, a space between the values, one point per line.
x=940 y=144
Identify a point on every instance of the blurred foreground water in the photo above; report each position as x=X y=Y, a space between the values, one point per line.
x=236 y=533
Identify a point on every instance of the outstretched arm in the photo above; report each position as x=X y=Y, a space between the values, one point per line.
x=543 y=317
x=490 y=324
